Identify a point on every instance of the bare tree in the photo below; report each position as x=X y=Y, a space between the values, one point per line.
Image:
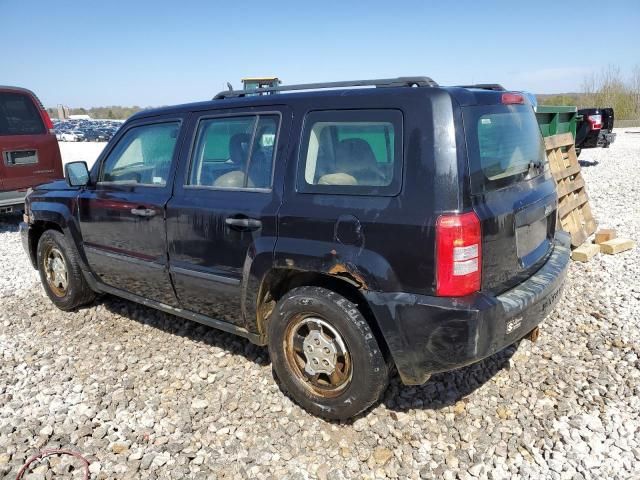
x=589 y=88
x=608 y=88
x=634 y=86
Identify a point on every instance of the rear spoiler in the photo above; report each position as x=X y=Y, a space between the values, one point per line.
x=496 y=87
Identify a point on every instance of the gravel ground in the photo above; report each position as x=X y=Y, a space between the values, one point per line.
x=145 y=395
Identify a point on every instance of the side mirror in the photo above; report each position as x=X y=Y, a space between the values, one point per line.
x=77 y=174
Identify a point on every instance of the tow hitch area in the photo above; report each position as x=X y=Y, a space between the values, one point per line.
x=533 y=335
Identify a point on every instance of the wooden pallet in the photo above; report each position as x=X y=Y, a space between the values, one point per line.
x=574 y=212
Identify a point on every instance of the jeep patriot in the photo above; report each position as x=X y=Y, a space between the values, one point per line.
x=354 y=228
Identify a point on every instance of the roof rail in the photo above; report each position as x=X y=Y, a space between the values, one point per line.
x=485 y=86
x=382 y=82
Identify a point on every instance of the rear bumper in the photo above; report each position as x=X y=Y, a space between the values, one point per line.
x=597 y=139
x=14 y=198
x=606 y=139
x=434 y=334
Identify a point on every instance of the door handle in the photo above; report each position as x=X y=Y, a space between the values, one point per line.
x=143 y=212
x=243 y=223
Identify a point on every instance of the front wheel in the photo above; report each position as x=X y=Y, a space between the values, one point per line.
x=60 y=272
x=324 y=353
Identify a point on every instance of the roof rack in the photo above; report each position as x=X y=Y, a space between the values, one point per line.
x=382 y=82
x=485 y=86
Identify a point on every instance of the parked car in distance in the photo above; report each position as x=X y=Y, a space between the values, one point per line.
x=95 y=136
x=351 y=230
x=595 y=129
x=79 y=135
x=29 y=152
x=67 y=137
x=83 y=130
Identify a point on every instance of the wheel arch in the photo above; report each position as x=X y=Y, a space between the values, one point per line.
x=54 y=216
x=278 y=281
x=36 y=230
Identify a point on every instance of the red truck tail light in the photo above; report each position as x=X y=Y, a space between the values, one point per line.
x=458 y=254
x=595 y=121
x=47 y=121
x=48 y=124
x=512 y=98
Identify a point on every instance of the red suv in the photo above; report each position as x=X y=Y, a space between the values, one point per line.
x=29 y=153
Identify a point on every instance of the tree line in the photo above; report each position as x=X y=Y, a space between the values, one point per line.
x=607 y=88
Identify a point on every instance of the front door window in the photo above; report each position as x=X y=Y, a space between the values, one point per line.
x=143 y=156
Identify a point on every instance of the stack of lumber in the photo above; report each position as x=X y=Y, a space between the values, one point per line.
x=606 y=241
x=609 y=243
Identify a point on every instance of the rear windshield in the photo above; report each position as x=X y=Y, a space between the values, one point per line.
x=505 y=145
x=18 y=115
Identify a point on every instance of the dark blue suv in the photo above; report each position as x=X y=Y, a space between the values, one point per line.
x=352 y=227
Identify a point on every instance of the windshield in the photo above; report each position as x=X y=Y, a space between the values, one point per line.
x=505 y=145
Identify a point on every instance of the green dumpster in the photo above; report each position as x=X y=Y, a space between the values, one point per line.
x=557 y=119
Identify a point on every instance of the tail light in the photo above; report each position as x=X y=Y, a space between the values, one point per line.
x=47 y=121
x=48 y=124
x=458 y=254
x=595 y=121
x=512 y=98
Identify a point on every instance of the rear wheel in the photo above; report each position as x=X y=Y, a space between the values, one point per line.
x=60 y=272
x=325 y=354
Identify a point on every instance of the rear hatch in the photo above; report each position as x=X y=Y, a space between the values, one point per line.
x=29 y=153
x=512 y=189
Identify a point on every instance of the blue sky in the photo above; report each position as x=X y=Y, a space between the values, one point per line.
x=148 y=53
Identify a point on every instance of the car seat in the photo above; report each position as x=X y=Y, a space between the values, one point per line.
x=355 y=160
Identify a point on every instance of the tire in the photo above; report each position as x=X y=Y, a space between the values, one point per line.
x=64 y=283
x=331 y=324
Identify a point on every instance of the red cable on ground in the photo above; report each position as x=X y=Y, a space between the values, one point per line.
x=46 y=453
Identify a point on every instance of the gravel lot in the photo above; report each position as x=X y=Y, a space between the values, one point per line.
x=145 y=395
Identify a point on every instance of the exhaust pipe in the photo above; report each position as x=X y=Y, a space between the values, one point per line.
x=533 y=335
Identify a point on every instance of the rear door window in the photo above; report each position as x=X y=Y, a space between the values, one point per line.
x=504 y=145
x=18 y=115
x=352 y=152
x=234 y=152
